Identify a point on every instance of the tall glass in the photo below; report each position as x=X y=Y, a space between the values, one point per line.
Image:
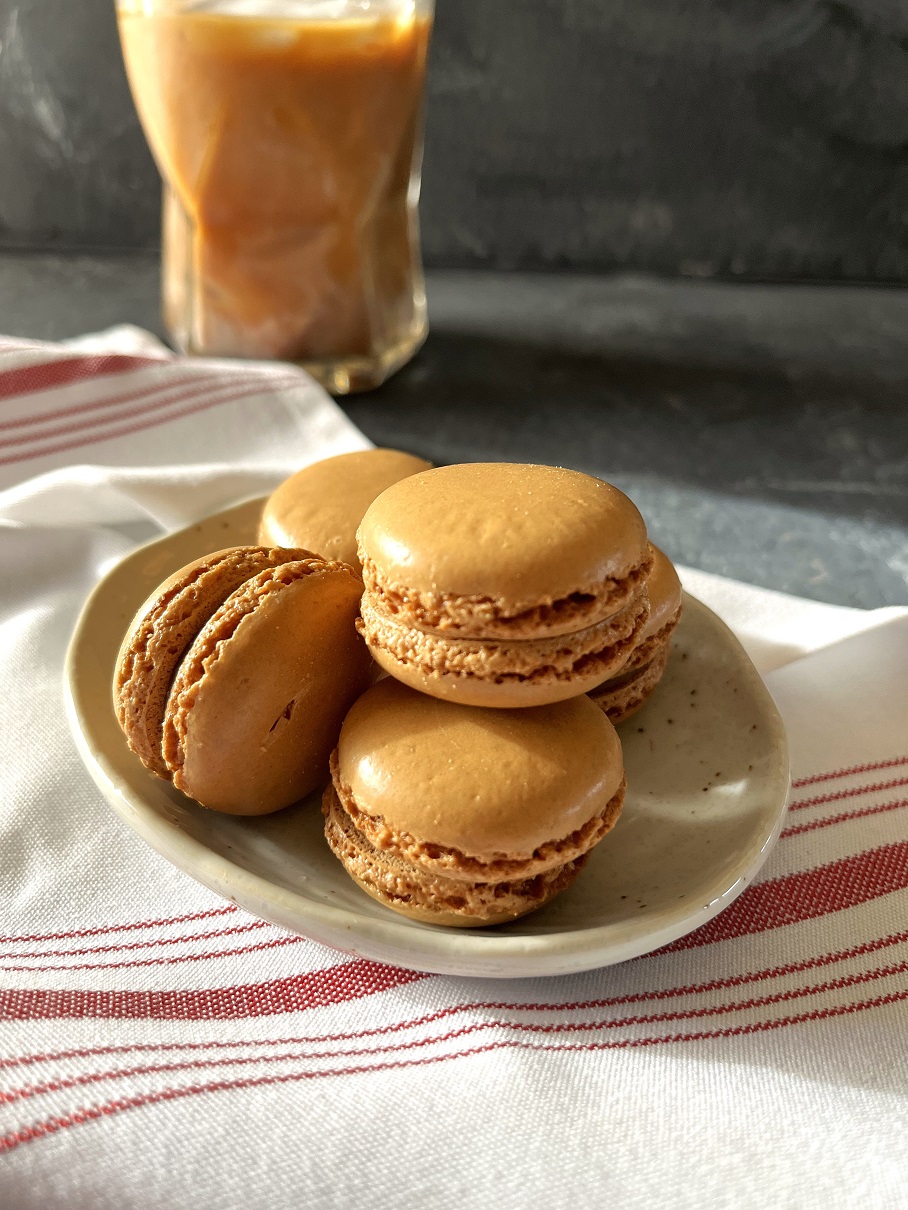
x=289 y=137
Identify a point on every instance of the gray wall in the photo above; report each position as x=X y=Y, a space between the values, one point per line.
x=757 y=138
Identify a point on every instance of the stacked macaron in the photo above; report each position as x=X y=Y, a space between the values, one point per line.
x=504 y=585
x=624 y=694
x=471 y=788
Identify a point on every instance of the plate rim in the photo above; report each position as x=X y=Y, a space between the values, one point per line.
x=423 y=948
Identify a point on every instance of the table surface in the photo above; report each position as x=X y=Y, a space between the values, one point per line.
x=762 y=430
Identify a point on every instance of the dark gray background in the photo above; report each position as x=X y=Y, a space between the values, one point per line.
x=749 y=138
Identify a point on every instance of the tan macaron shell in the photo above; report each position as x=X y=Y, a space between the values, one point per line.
x=492 y=784
x=320 y=507
x=626 y=694
x=622 y=695
x=663 y=587
x=452 y=864
x=502 y=674
x=258 y=702
x=162 y=632
x=503 y=550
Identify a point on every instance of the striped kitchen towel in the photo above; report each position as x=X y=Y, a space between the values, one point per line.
x=160 y=1047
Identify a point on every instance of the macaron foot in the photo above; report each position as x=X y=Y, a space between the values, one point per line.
x=455 y=919
x=432 y=898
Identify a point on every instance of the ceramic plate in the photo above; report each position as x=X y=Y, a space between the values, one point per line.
x=707 y=772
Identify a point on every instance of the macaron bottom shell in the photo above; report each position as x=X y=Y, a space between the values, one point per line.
x=623 y=695
x=620 y=702
x=504 y=693
x=442 y=919
x=432 y=898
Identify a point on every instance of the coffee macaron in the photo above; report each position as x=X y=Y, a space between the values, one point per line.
x=235 y=676
x=320 y=507
x=623 y=695
x=503 y=584
x=466 y=816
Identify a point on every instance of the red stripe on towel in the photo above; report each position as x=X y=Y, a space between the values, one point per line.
x=806 y=895
x=94 y=1113
x=316 y=989
x=63 y=371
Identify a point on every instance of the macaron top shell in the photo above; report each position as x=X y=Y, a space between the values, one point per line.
x=259 y=699
x=488 y=783
x=516 y=533
x=320 y=507
x=664 y=591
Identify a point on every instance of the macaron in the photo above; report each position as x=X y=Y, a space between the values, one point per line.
x=503 y=584
x=320 y=507
x=164 y=629
x=465 y=816
x=623 y=695
x=236 y=691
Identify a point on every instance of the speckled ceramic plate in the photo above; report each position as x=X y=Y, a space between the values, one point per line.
x=707 y=771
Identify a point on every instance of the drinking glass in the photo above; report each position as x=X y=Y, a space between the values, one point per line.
x=288 y=134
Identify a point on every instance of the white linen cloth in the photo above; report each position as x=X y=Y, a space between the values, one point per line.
x=161 y=1048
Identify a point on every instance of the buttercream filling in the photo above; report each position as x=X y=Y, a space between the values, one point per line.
x=488 y=617
x=588 y=653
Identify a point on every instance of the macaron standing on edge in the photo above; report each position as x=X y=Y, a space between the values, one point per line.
x=465 y=816
x=245 y=697
x=503 y=584
x=163 y=630
x=623 y=695
x=320 y=507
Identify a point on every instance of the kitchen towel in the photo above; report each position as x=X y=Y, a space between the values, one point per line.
x=160 y=1047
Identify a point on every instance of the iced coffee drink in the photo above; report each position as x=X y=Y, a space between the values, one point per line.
x=288 y=134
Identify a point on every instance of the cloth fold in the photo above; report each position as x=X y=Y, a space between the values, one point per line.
x=160 y=1046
